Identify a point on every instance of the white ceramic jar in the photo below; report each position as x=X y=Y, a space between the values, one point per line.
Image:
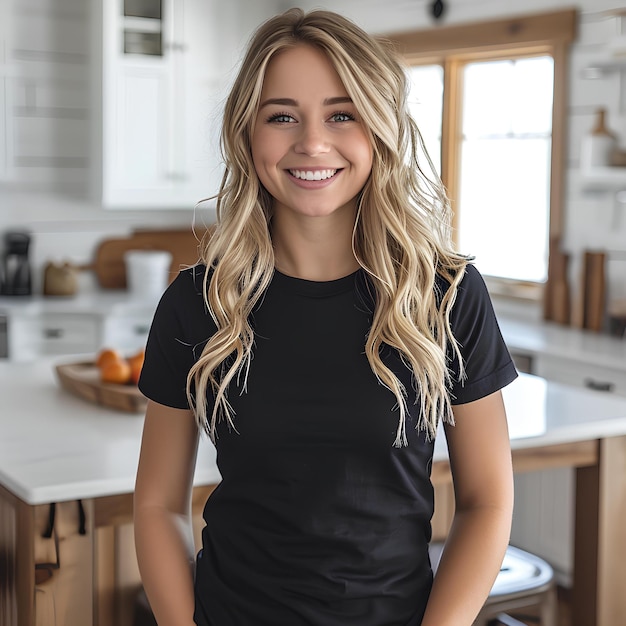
x=147 y=272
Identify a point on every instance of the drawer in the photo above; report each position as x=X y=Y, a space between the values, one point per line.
x=581 y=374
x=53 y=334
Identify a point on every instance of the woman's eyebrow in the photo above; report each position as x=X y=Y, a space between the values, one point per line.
x=294 y=103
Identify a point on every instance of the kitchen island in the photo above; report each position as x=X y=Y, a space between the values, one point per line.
x=67 y=471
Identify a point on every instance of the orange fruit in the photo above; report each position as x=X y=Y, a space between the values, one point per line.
x=138 y=357
x=107 y=355
x=116 y=372
x=136 y=363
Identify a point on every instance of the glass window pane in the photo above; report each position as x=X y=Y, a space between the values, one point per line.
x=510 y=96
x=426 y=106
x=531 y=96
x=504 y=207
x=503 y=203
x=486 y=98
x=143 y=8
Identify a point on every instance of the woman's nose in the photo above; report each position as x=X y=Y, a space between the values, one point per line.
x=312 y=140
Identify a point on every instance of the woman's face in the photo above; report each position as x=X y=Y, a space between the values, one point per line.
x=310 y=150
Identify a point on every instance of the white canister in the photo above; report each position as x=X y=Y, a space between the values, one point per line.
x=598 y=146
x=147 y=272
x=596 y=151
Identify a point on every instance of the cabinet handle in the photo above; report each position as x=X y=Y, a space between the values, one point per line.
x=53 y=333
x=599 y=385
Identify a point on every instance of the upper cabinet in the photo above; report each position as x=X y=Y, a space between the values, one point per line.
x=156 y=103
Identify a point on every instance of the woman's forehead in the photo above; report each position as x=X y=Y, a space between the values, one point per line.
x=302 y=69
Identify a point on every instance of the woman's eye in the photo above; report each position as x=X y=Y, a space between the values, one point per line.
x=342 y=117
x=281 y=118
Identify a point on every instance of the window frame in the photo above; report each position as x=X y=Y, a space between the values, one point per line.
x=516 y=37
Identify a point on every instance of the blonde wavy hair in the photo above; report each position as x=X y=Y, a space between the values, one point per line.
x=401 y=235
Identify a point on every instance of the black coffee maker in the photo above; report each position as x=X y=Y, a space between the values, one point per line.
x=16 y=274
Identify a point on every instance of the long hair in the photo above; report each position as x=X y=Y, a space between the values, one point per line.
x=401 y=235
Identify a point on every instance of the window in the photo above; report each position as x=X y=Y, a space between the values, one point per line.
x=426 y=105
x=489 y=99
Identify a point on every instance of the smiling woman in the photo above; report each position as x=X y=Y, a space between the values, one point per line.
x=329 y=330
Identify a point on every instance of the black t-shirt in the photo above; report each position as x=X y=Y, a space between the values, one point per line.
x=318 y=519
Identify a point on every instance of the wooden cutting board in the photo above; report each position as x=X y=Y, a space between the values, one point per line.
x=109 y=265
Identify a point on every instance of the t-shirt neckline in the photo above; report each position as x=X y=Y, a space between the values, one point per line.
x=314 y=288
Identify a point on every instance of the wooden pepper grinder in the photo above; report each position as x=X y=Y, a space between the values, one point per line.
x=598 y=146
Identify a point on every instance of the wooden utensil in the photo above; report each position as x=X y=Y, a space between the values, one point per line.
x=594 y=290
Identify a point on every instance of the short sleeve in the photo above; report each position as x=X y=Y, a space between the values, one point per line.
x=488 y=365
x=180 y=328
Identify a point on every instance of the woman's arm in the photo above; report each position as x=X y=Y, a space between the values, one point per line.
x=480 y=460
x=162 y=512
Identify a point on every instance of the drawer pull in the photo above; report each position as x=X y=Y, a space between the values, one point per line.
x=53 y=333
x=599 y=385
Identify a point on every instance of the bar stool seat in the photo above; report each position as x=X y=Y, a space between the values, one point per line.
x=525 y=581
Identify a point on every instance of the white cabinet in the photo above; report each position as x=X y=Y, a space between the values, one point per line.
x=47 y=334
x=158 y=96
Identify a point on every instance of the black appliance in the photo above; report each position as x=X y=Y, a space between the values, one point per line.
x=16 y=274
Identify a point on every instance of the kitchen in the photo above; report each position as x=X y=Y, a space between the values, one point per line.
x=47 y=175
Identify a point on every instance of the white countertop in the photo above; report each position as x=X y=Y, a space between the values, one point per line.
x=96 y=302
x=554 y=339
x=56 y=447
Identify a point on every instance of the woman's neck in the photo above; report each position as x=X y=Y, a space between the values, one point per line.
x=317 y=249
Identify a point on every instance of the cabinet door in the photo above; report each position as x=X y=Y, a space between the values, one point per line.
x=199 y=102
x=159 y=148
x=140 y=143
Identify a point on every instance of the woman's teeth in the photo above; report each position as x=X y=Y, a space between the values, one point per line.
x=316 y=175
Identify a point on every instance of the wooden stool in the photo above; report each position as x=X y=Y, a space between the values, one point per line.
x=525 y=581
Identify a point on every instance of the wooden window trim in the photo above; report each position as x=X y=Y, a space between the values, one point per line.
x=522 y=31
x=453 y=46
